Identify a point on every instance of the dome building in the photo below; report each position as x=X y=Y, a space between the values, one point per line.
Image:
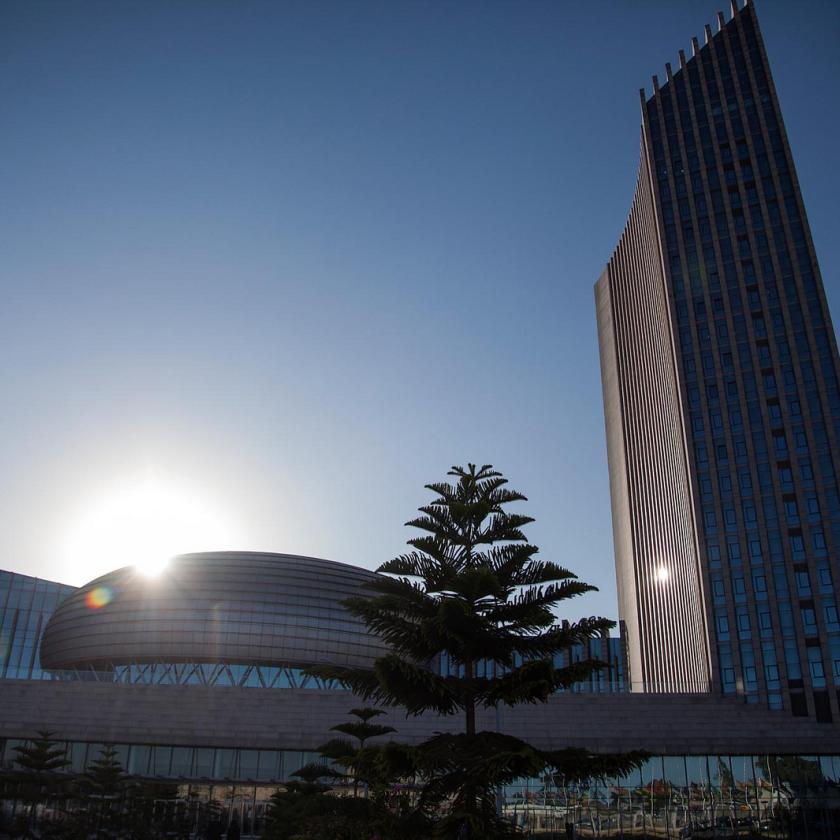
x=228 y=615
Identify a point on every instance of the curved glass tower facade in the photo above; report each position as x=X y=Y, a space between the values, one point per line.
x=756 y=367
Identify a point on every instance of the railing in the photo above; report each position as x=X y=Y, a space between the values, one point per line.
x=222 y=675
x=263 y=676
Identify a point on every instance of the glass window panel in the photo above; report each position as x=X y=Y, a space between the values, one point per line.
x=138 y=760
x=161 y=761
x=224 y=767
x=204 y=762
x=675 y=789
x=248 y=764
x=722 y=783
x=10 y=751
x=121 y=754
x=700 y=796
x=651 y=794
x=765 y=792
x=625 y=793
x=94 y=752
x=182 y=762
x=268 y=768
x=743 y=788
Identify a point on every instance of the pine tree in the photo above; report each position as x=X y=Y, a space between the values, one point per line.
x=472 y=590
x=357 y=759
x=103 y=783
x=105 y=775
x=302 y=809
x=41 y=761
x=314 y=805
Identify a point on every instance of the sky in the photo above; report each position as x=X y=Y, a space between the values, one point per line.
x=269 y=268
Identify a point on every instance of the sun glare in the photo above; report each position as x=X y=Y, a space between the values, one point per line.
x=143 y=525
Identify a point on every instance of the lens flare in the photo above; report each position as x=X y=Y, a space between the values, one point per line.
x=101 y=596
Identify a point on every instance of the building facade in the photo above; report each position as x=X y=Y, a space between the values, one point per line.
x=196 y=678
x=720 y=375
x=26 y=604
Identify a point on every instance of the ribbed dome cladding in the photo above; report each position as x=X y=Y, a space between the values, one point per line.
x=243 y=607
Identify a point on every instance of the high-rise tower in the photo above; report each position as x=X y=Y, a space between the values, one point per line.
x=720 y=375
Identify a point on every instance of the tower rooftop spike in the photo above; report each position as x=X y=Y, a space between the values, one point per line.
x=721 y=21
x=733 y=6
x=708 y=32
x=695 y=47
x=682 y=59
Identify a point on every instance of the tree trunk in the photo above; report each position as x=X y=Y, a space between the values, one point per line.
x=469 y=789
x=469 y=700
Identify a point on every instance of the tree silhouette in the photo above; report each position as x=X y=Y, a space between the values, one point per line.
x=105 y=775
x=40 y=761
x=314 y=805
x=103 y=783
x=473 y=591
x=358 y=759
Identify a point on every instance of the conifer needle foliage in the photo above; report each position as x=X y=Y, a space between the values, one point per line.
x=472 y=591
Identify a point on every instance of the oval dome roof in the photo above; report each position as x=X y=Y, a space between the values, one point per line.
x=239 y=607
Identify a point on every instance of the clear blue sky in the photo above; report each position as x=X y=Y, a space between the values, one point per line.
x=295 y=259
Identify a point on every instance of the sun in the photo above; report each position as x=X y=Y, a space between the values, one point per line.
x=143 y=524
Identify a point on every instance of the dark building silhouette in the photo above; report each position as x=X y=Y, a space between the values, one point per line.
x=720 y=375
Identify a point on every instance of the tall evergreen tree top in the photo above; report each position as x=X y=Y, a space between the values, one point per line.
x=471 y=590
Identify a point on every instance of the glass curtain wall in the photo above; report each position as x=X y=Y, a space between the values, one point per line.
x=669 y=797
x=26 y=603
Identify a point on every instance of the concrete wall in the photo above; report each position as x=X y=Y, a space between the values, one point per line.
x=300 y=718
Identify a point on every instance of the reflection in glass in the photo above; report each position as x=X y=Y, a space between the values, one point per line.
x=674 y=778
x=161 y=760
x=248 y=764
x=182 y=762
x=204 y=761
x=138 y=760
x=225 y=764
x=268 y=766
x=677 y=797
x=699 y=792
x=76 y=755
x=744 y=797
